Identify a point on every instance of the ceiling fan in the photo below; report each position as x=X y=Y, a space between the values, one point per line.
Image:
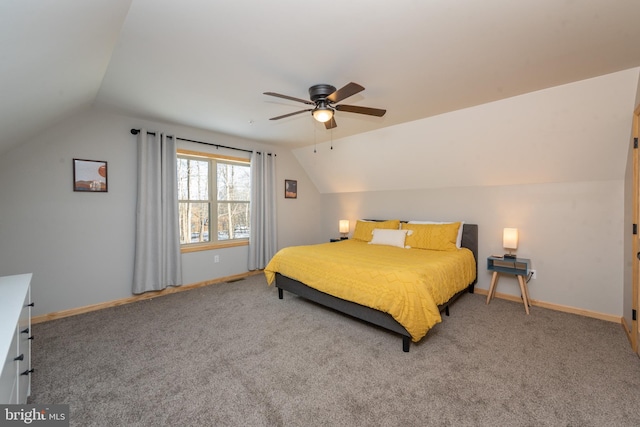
x=323 y=97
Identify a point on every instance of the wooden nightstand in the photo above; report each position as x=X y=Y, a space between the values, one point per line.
x=520 y=267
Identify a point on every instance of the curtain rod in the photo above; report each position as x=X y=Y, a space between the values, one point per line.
x=137 y=131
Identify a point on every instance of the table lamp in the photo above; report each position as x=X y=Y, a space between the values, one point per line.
x=344 y=228
x=510 y=241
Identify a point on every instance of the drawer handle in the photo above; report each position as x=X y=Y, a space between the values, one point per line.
x=21 y=357
x=31 y=305
x=30 y=338
x=25 y=331
x=27 y=372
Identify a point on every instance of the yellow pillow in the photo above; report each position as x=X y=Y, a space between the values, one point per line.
x=437 y=237
x=364 y=229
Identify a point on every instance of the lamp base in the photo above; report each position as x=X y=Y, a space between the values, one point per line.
x=509 y=256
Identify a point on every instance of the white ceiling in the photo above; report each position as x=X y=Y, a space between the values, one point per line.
x=206 y=63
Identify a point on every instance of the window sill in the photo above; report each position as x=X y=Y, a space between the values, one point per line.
x=211 y=246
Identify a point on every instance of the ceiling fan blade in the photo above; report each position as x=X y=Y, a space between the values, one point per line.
x=289 y=97
x=290 y=114
x=361 y=110
x=345 y=92
x=330 y=124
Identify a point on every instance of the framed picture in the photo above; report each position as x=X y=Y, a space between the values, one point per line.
x=89 y=175
x=290 y=189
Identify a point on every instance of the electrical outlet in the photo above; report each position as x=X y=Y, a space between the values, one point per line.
x=533 y=274
x=216 y=258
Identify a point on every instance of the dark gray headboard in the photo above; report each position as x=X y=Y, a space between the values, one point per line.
x=470 y=241
x=470 y=238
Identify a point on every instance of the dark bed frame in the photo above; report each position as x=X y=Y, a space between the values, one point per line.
x=376 y=317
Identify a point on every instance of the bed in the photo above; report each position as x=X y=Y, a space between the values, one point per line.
x=409 y=304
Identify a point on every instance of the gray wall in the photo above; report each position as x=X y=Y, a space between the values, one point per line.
x=80 y=246
x=551 y=163
x=572 y=232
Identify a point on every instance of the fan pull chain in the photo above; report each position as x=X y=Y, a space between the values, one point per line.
x=331 y=138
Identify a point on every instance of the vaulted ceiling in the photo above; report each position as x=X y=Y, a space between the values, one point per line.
x=207 y=63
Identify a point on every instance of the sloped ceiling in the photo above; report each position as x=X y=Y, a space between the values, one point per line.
x=206 y=63
x=576 y=132
x=54 y=55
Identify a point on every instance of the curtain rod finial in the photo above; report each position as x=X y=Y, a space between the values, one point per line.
x=135 y=131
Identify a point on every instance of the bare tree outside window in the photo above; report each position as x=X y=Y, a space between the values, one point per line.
x=203 y=218
x=233 y=200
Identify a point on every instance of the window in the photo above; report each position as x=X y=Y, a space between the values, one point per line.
x=213 y=200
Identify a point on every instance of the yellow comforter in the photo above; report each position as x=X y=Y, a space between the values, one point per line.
x=409 y=284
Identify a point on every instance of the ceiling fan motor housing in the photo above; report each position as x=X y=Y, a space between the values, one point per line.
x=321 y=91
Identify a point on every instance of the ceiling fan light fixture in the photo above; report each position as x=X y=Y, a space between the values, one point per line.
x=322 y=112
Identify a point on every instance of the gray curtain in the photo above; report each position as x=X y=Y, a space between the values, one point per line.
x=157 y=258
x=263 y=235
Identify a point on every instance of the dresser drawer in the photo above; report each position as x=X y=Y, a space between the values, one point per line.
x=24 y=350
x=15 y=346
x=9 y=374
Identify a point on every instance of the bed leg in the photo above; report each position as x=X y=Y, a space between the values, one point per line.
x=406 y=343
x=472 y=288
x=446 y=310
x=280 y=293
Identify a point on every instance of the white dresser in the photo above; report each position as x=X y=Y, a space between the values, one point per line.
x=15 y=338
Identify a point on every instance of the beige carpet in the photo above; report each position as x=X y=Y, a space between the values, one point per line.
x=233 y=354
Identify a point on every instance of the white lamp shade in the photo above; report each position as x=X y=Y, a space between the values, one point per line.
x=510 y=238
x=322 y=114
x=344 y=225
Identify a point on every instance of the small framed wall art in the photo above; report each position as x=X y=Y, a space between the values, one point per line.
x=290 y=189
x=90 y=176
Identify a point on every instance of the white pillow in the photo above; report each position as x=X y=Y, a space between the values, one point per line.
x=389 y=237
x=458 y=239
